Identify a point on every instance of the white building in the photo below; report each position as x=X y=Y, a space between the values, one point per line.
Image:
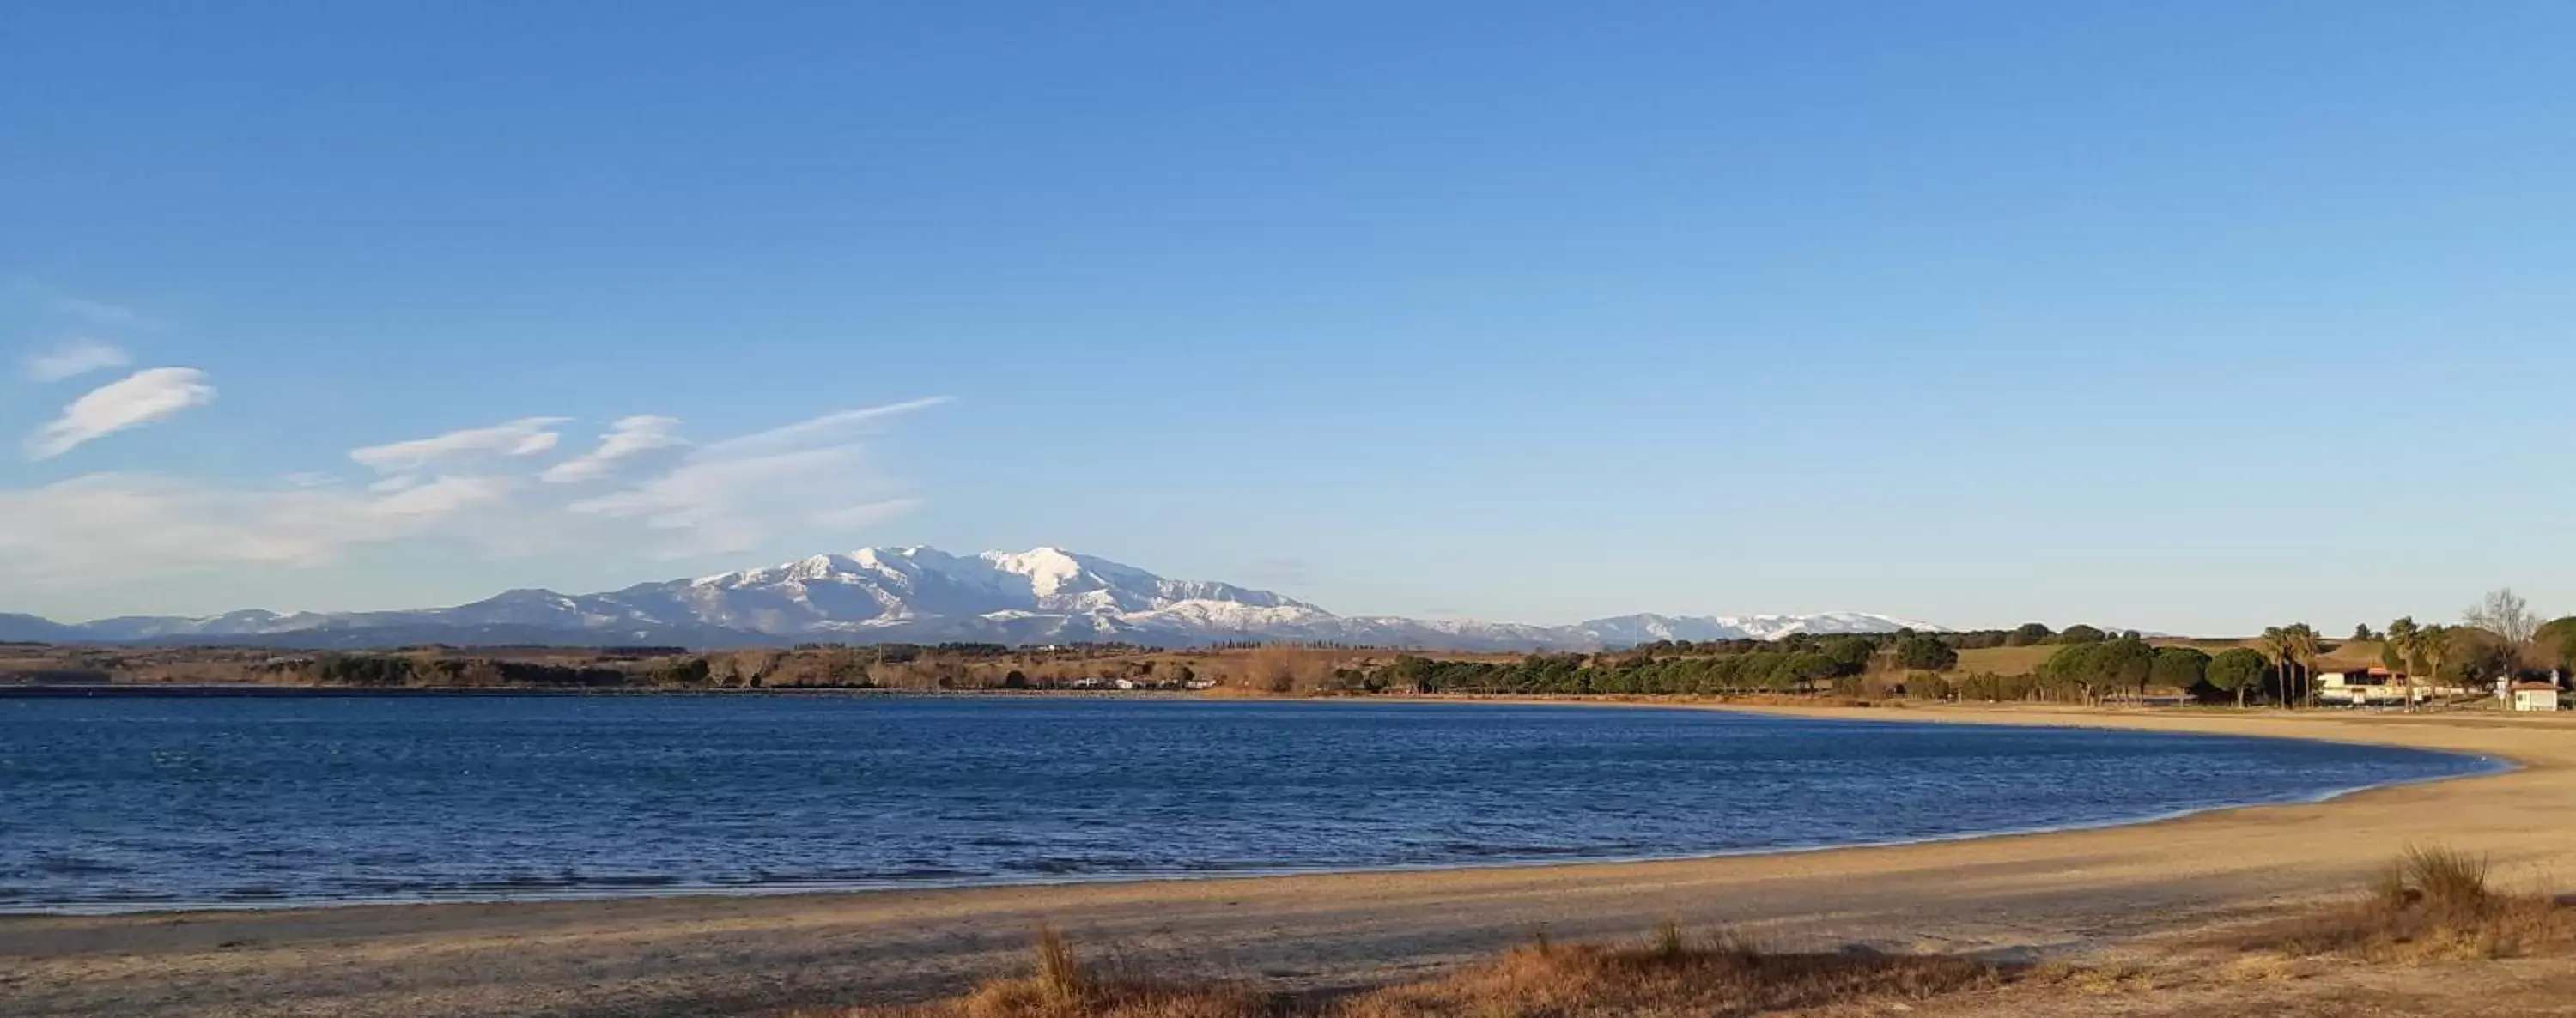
x=2362 y=687
x=2536 y=696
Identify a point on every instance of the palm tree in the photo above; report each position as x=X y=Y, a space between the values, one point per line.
x=2278 y=647
x=2305 y=645
x=2309 y=648
x=2436 y=645
x=2407 y=639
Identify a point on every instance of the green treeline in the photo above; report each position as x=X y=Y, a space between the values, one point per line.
x=2089 y=666
x=2029 y=634
x=388 y=671
x=2130 y=666
x=1794 y=664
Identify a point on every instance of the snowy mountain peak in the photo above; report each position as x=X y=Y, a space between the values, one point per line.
x=923 y=595
x=1627 y=630
x=873 y=588
x=1050 y=570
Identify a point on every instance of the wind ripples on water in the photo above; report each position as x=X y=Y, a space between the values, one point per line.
x=124 y=803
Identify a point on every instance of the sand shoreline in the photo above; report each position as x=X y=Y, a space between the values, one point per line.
x=2007 y=894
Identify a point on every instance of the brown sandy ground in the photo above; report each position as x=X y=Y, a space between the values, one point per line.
x=2093 y=896
x=1720 y=980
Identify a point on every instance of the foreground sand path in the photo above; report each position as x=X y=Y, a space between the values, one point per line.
x=689 y=956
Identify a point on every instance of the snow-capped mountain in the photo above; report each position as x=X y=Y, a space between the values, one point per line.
x=1629 y=630
x=922 y=595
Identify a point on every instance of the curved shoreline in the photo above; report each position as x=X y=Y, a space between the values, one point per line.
x=538 y=894
x=2015 y=895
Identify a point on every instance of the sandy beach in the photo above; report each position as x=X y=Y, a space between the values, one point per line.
x=2014 y=896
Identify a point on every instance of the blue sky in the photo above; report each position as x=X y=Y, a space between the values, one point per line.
x=2188 y=316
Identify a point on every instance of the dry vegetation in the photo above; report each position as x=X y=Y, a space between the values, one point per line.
x=1671 y=976
x=2431 y=907
x=2431 y=904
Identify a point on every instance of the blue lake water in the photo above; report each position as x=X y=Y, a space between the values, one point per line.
x=129 y=803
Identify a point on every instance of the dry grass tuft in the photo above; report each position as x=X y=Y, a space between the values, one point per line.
x=1668 y=942
x=2265 y=967
x=2430 y=904
x=1062 y=988
x=1030 y=998
x=1671 y=976
x=2110 y=979
x=2437 y=878
x=1058 y=973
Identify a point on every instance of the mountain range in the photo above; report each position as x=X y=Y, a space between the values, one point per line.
x=915 y=595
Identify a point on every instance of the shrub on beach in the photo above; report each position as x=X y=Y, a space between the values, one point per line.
x=1672 y=973
x=2430 y=903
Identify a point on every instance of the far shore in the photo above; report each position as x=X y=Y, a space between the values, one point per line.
x=305 y=689
x=2007 y=896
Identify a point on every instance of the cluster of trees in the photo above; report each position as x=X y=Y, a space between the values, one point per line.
x=948 y=667
x=1576 y=674
x=2292 y=651
x=1913 y=666
x=2129 y=665
x=396 y=670
x=2090 y=665
x=2028 y=634
x=2529 y=641
x=1796 y=663
x=2559 y=640
x=2086 y=678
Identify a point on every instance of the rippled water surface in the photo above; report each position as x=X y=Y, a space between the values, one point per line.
x=152 y=802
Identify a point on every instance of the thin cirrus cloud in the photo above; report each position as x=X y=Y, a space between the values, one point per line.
x=527 y=436
x=28 y=296
x=825 y=430
x=138 y=399
x=728 y=496
x=643 y=492
x=74 y=358
x=629 y=438
x=112 y=527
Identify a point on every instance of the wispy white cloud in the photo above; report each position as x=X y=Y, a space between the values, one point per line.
x=719 y=505
x=112 y=527
x=644 y=491
x=75 y=357
x=526 y=436
x=626 y=440
x=829 y=429
x=713 y=506
x=136 y=400
x=100 y=312
x=53 y=302
x=728 y=496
